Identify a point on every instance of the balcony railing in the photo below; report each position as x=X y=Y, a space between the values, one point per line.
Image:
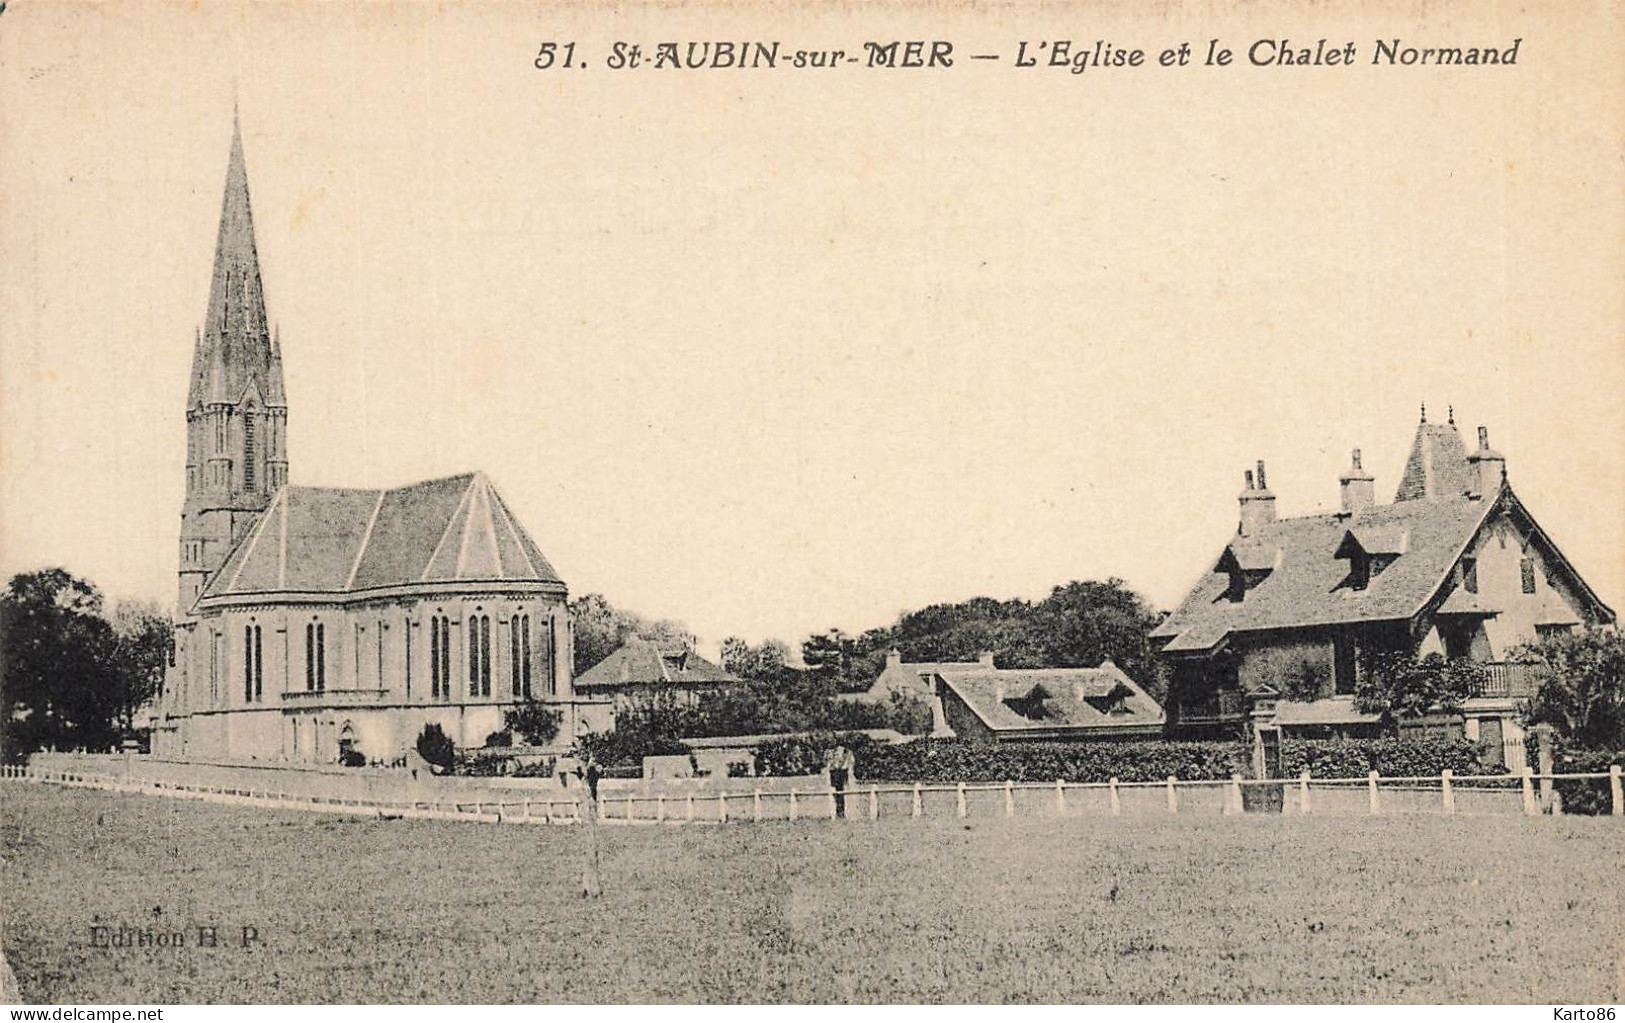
x=1218 y=706
x=1505 y=680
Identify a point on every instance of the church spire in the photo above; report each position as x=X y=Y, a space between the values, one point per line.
x=236 y=341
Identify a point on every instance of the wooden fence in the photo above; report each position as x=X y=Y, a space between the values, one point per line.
x=1527 y=792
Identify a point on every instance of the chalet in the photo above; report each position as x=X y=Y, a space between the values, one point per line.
x=1454 y=565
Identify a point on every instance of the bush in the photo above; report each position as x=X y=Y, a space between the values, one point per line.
x=627 y=748
x=789 y=757
x=954 y=760
x=353 y=758
x=532 y=721
x=499 y=740
x=1589 y=796
x=435 y=746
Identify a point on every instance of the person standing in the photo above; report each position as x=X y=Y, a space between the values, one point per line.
x=839 y=765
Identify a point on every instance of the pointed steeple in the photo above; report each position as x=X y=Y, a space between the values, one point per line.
x=236 y=344
x=1437 y=466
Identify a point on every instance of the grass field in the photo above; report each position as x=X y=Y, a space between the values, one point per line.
x=1128 y=909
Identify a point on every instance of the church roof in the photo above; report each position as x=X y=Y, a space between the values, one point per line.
x=642 y=662
x=235 y=350
x=333 y=540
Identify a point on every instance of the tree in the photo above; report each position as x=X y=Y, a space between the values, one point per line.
x=436 y=747
x=532 y=721
x=1400 y=686
x=754 y=662
x=142 y=638
x=1581 y=680
x=1084 y=623
x=601 y=628
x=58 y=681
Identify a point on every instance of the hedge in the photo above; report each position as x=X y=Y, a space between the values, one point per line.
x=955 y=760
x=1586 y=796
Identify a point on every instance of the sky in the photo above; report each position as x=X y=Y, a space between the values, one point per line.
x=773 y=352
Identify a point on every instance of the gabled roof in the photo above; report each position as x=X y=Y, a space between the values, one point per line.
x=331 y=540
x=642 y=662
x=1055 y=699
x=1309 y=585
x=909 y=677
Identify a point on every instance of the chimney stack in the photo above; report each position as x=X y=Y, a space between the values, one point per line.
x=1358 y=487
x=1257 y=504
x=985 y=658
x=1486 y=468
x=894 y=657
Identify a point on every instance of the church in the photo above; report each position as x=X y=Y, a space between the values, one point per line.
x=320 y=623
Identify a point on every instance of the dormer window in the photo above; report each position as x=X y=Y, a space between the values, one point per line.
x=1247 y=565
x=1032 y=706
x=1368 y=551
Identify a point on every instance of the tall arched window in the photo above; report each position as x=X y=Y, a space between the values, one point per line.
x=521 y=654
x=440 y=657
x=253 y=665
x=315 y=657
x=249 y=453
x=479 y=655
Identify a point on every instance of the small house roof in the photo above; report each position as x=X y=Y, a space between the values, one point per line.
x=643 y=662
x=1017 y=700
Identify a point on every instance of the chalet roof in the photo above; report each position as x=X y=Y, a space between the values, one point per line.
x=1310 y=584
x=1054 y=699
x=642 y=662
x=335 y=540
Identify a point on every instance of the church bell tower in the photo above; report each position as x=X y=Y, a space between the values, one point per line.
x=236 y=410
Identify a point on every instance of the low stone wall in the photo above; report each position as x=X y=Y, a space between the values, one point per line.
x=301 y=780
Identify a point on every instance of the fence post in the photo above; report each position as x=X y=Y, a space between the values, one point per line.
x=1116 y=804
x=960 y=792
x=792 y=804
x=1232 y=801
x=1530 y=807
x=1448 y=793
x=756 y=805
x=1557 y=803
x=722 y=808
x=1060 y=795
x=874 y=804
x=1009 y=799
x=832 y=808
x=1303 y=792
x=660 y=808
x=1173 y=795
x=916 y=812
x=1617 y=790
x=688 y=810
x=1371 y=793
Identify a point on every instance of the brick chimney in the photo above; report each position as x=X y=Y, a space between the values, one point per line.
x=1486 y=468
x=1358 y=487
x=894 y=657
x=985 y=658
x=1257 y=504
